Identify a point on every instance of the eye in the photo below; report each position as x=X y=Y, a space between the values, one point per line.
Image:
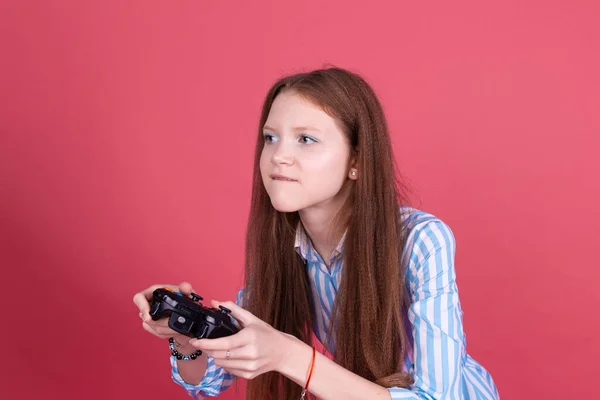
x=305 y=139
x=269 y=138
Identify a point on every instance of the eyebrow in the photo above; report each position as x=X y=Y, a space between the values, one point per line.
x=296 y=128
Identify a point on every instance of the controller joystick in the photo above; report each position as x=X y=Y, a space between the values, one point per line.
x=197 y=297
x=225 y=310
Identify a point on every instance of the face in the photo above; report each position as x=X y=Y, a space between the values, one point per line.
x=305 y=159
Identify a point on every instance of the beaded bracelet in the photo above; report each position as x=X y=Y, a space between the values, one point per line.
x=180 y=356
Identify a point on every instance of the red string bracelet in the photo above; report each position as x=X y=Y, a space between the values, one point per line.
x=312 y=365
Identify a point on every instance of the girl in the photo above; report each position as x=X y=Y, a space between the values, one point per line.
x=333 y=250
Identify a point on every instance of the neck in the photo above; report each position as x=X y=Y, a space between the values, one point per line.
x=324 y=230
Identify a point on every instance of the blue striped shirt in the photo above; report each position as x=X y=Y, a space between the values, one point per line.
x=436 y=354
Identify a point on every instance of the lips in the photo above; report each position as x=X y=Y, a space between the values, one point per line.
x=277 y=177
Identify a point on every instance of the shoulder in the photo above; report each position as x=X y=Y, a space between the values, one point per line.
x=423 y=226
x=426 y=234
x=239 y=298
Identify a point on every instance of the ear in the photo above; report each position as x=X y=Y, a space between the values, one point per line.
x=353 y=172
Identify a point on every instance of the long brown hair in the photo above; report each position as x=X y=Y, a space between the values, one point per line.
x=369 y=332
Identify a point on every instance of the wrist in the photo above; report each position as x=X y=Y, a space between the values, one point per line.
x=182 y=349
x=181 y=342
x=296 y=359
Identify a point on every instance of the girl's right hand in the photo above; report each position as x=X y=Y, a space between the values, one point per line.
x=160 y=328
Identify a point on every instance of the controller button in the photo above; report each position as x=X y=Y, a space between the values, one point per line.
x=170 y=301
x=181 y=320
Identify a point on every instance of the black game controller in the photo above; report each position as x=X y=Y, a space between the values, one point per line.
x=189 y=317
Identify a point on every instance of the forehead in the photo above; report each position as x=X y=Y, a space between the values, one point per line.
x=289 y=109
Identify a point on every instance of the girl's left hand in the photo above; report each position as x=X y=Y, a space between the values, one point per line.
x=254 y=350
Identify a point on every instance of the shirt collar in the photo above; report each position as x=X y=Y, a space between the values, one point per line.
x=305 y=249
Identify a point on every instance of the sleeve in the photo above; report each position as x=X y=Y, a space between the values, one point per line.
x=435 y=316
x=215 y=380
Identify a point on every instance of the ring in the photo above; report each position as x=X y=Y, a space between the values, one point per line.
x=227 y=354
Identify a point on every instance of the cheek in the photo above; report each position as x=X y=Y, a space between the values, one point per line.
x=264 y=160
x=330 y=166
x=325 y=176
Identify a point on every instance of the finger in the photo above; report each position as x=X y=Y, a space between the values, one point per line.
x=164 y=331
x=242 y=316
x=240 y=353
x=240 y=366
x=239 y=373
x=162 y=327
x=149 y=329
x=142 y=299
x=225 y=343
x=161 y=323
x=215 y=304
x=186 y=288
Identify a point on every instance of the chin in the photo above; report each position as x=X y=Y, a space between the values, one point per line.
x=285 y=205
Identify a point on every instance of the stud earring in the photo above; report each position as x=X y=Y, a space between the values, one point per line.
x=353 y=173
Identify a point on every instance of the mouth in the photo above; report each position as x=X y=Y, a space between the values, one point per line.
x=276 y=177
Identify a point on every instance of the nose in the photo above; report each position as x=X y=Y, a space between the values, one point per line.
x=282 y=154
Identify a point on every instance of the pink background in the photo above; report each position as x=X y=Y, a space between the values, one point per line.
x=126 y=139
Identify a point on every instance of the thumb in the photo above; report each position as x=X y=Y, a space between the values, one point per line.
x=186 y=288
